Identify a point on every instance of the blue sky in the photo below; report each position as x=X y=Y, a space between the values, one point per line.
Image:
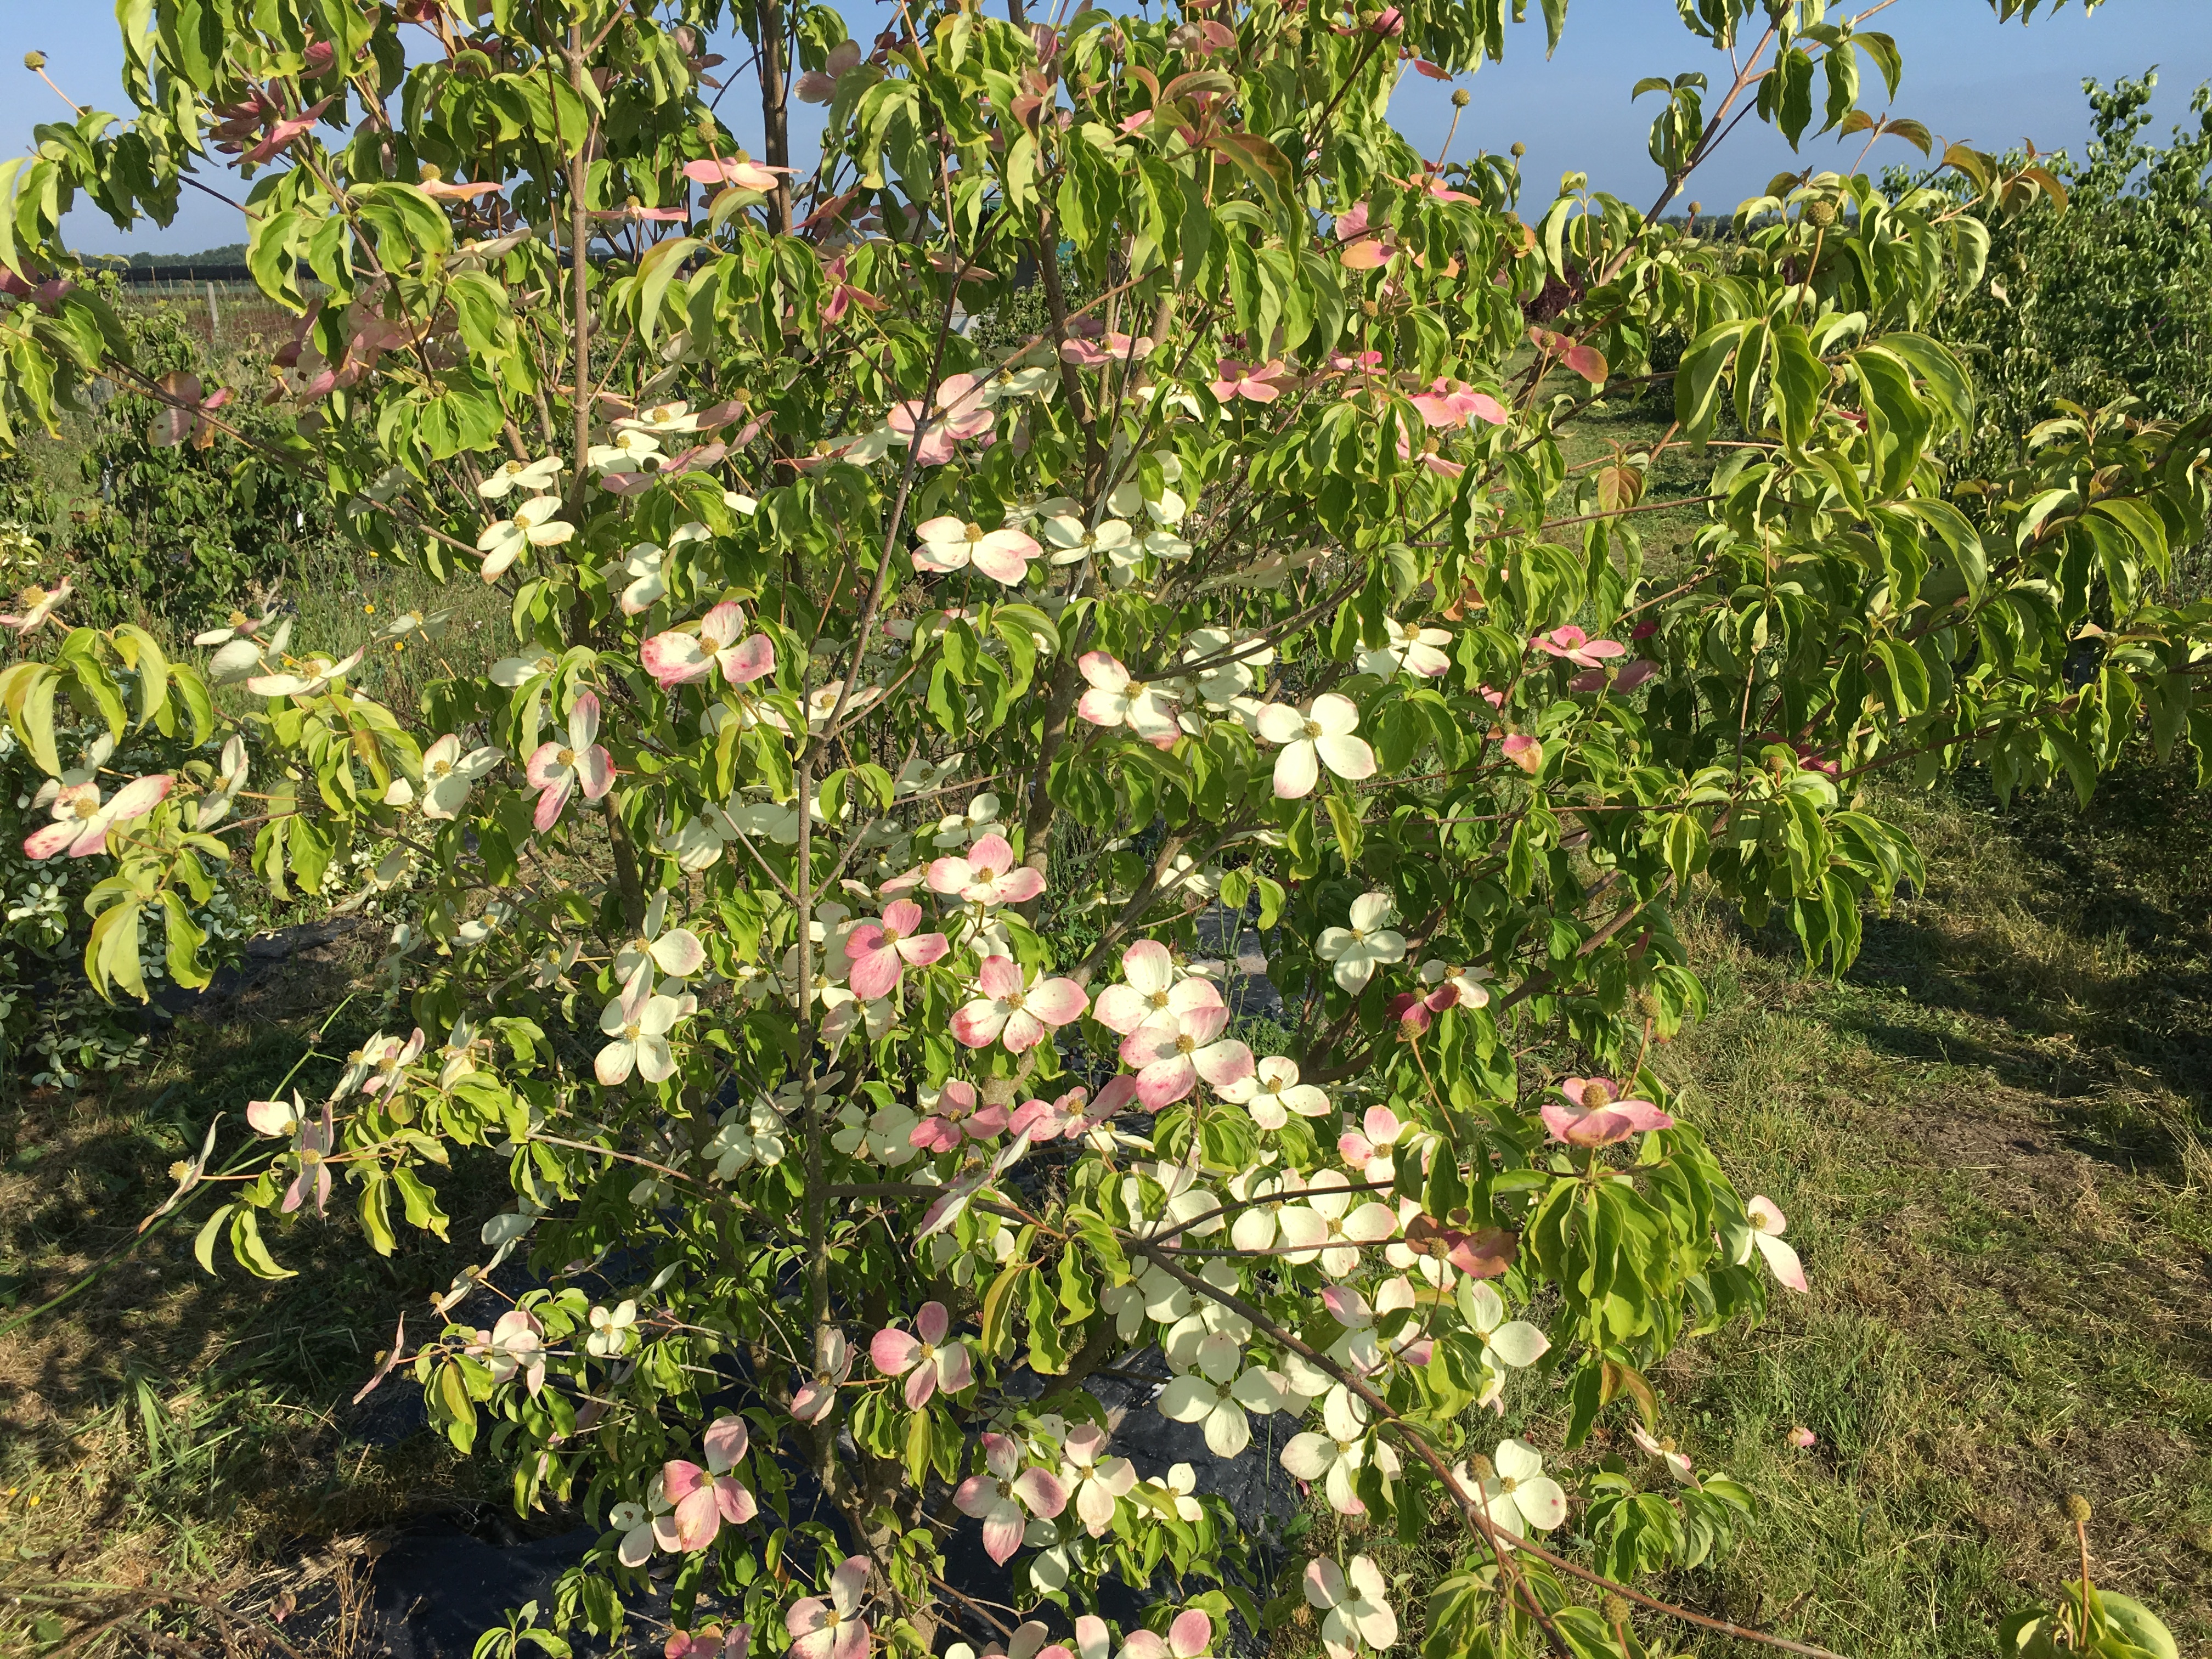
x=1966 y=77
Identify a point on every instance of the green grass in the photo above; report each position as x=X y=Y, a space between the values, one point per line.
x=1987 y=1140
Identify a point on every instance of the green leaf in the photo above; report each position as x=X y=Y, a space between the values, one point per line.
x=998 y=1335
x=1697 y=379
x=1882 y=49
x=422 y=1203
x=1905 y=676
x=655 y=274
x=1260 y=162
x=1344 y=818
x=1947 y=380
x=203 y=1244
x=376 y=1214
x=111 y=950
x=449 y=1398
x=1786 y=96
x=1960 y=536
x=184 y=940
x=920 y=1437
x=1842 y=64
x=1686 y=846
x=1555 y=22
x=253 y=1254
x=36 y=724
x=270 y=257
x=1801 y=383
x=148 y=661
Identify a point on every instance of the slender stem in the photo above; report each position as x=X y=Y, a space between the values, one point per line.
x=776 y=113
x=580 y=233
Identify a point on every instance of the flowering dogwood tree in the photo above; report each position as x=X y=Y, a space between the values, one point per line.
x=811 y=903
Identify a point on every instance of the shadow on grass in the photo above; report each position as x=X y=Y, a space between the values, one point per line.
x=1987 y=1138
x=2064 y=952
x=167 y=1419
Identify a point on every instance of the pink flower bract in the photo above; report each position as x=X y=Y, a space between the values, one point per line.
x=1008 y=1012
x=879 y=951
x=923 y=1357
x=1000 y=1496
x=1596 y=1115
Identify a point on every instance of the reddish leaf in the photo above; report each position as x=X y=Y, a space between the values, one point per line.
x=1586 y=362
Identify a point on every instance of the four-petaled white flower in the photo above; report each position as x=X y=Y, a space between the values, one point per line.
x=536 y=476
x=1191 y=1634
x=747 y=1134
x=1328 y=1228
x=962 y=411
x=514 y=1346
x=706 y=1497
x=679 y=656
x=646 y=568
x=1176 y=1047
x=1218 y=1395
x=1678 y=1464
x=986 y=874
x=1273 y=1092
x=448 y=775
x=1367 y=944
x=610 y=1328
x=881 y=952
x=1515 y=1494
x=1332 y=1458
x=958 y=830
x=1457 y=985
x=1152 y=984
x=1115 y=699
x=925 y=1358
x=635 y=1523
x=674 y=951
x=639 y=1022
x=82 y=819
x=1354 y=1604
x=1506 y=1343
x=305 y=676
x=1408 y=650
x=1175 y=1490
x=1766 y=1223
x=629 y=452
x=1320 y=736
x=950 y=544
x=533 y=525
x=1073 y=541
x=1009 y=1010
x=1095 y=1481
x=816 y=1397
x=240 y=643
